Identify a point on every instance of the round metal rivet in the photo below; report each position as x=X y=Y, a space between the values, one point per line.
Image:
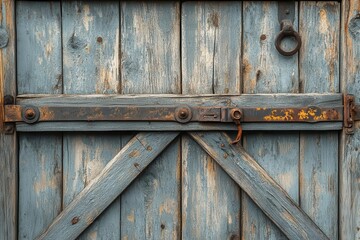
x=183 y=114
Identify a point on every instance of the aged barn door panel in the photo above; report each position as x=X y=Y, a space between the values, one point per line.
x=319 y=73
x=90 y=42
x=150 y=63
x=349 y=220
x=40 y=155
x=211 y=41
x=8 y=153
x=266 y=71
x=114 y=48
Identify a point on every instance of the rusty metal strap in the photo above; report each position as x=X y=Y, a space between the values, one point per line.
x=183 y=114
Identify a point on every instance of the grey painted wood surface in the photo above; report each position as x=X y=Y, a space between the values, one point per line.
x=259 y=185
x=39 y=56
x=266 y=71
x=243 y=100
x=150 y=39
x=8 y=143
x=85 y=155
x=150 y=47
x=211 y=41
x=169 y=126
x=40 y=182
x=349 y=164
x=91 y=41
x=150 y=63
x=40 y=156
x=320 y=27
x=105 y=187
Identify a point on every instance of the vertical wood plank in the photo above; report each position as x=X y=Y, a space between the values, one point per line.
x=39 y=47
x=8 y=152
x=40 y=156
x=211 y=49
x=319 y=28
x=91 y=65
x=350 y=145
x=40 y=182
x=150 y=47
x=266 y=71
x=150 y=63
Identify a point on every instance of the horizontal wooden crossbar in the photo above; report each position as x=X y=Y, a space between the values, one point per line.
x=258 y=184
x=160 y=112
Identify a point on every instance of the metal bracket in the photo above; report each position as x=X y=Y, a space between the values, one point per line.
x=286 y=16
x=32 y=113
x=9 y=127
x=351 y=114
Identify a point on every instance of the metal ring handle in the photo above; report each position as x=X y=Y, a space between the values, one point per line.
x=284 y=34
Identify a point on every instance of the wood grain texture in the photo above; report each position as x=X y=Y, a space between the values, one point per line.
x=106 y=187
x=350 y=145
x=211 y=40
x=211 y=47
x=40 y=156
x=91 y=40
x=150 y=63
x=169 y=126
x=319 y=179
x=85 y=155
x=91 y=45
x=258 y=184
x=266 y=71
x=319 y=28
x=279 y=158
x=8 y=143
x=243 y=100
x=39 y=47
x=150 y=47
x=40 y=181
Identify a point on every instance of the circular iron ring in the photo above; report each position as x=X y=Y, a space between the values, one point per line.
x=284 y=34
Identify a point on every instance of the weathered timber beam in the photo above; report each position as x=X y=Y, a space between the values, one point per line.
x=104 y=189
x=173 y=126
x=257 y=183
x=141 y=112
x=244 y=100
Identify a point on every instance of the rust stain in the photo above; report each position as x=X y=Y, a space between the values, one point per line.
x=312 y=113
x=283 y=115
x=134 y=153
x=214 y=19
x=131 y=216
x=46 y=114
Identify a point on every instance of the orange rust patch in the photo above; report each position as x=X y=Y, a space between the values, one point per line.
x=283 y=115
x=46 y=114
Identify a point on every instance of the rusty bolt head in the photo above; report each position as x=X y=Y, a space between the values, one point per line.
x=75 y=220
x=30 y=113
x=236 y=114
x=183 y=113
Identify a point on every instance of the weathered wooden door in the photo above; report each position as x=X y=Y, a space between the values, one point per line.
x=99 y=178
